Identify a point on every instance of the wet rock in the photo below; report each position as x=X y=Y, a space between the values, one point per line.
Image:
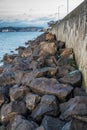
x=67 y=126
x=78 y=124
x=20 y=123
x=51 y=123
x=31 y=101
x=8 y=111
x=40 y=128
x=50 y=37
x=47 y=106
x=18 y=92
x=75 y=106
x=79 y=92
x=7 y=78
x=50 y=86
x=74 y=78
x=48 y=48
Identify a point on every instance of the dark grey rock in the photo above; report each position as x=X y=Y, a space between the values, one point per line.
x=50 y=86
x=8 y=111
x=51 y=123
x=74 y=78
x=75 y=106
x=20 y=123
x=47 y=106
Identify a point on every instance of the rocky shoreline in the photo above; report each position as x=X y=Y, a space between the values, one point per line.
x=41 y=88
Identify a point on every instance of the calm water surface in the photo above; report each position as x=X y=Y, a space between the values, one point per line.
x=9 y=41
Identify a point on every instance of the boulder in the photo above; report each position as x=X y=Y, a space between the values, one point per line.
x=48 y=106
x=32 y=100
x=50 y=86
x=18 y=76
x=20 y=50
x=8 y=59
x=67 y=52
x=48 y=48
x=51 y=123
x=7 y=78
x=1 y=69
x=26 y=53
x=79 y=92
x=50 y=37
x=18 y=92
x=40 y=128
x=46 y=71
x=67 y=126
x=50 y=61
x=74 y=78
x=77 y=124
x=8 y=111
x=75 y=106
x=20 y=123
x=2 y=96
x=3 y=128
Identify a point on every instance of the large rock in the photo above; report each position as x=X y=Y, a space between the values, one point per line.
x=1 y=69
x=8 y=59
x=78 y=124
x=46 y=71
x=75 y=106
x=7 y=78
x=2 y=98
x=18 y=76
x=47 y=106
x=27 y=53
x=32 y=100
x=20 y=50
x=51 y=123
x=20 y=123
x=8 y=111
x=48 y=48
x=74 y=78
x=40 y=128
x=79 y=92
x=18 y=92
x=67 y=126
x=67 y=52
x=50 y=61
x=50 y=86
x=3 y=128
x=50 y=37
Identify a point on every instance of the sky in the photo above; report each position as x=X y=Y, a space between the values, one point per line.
x=36 y=8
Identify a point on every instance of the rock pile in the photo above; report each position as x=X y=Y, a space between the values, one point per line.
x=40 y=88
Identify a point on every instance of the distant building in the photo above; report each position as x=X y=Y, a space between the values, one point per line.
x=5 y=30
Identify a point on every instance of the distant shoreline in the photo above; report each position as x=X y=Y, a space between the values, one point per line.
x=21 y=29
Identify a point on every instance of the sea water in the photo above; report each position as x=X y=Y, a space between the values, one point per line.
x=9 y=41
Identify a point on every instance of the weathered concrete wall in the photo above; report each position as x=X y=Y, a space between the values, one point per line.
x=73 y=30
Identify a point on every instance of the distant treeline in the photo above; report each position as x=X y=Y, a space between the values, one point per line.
x=20 y=29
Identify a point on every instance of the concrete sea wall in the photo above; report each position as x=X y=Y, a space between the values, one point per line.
x=73 y=30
